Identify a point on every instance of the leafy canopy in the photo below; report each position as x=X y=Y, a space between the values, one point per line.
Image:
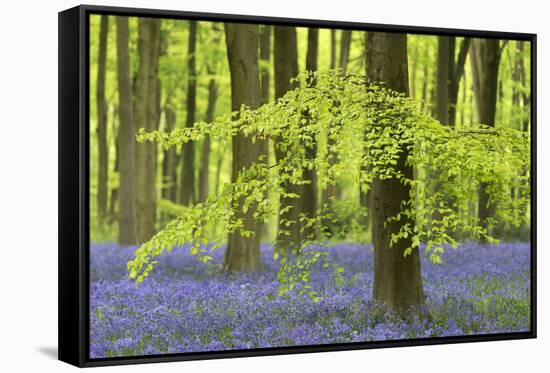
x=368 y=126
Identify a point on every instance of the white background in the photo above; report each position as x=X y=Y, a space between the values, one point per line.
x=28 y=184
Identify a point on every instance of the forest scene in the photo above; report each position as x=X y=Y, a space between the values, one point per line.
x=261 y=186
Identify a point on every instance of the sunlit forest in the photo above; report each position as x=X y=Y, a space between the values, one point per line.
x=266 y=186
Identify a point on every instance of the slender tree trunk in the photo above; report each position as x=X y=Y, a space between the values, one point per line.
x=188 y=164
x=413 y=72
x=443 y=58
x=265 y=83
x=332 y=49
x=345 y=44
x=265 y=56
x=456 y=71
x=365 y=196
x=525 y=97
x=113 y=198
x=463 y=102
x=204 y=180
x=127 y=234
x=204 y=173
x=103 y=149
x=169 y=170
x=397 y=278
x=147 y=118
x=309 y=198
x=485 y=58
x=285 y=53
x=243 y=254
x=424 y=99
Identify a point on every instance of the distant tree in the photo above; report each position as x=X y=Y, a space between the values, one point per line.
x=204 y=181
x=127 y=234
x=345 y=45
x=243 y=253
x=485 y=57
x=332 y=64
x=113 y=198
x=187 y=183
x=102 y=148
x=265 y=85
x=450 y=70
x=169 y=165
x=285 y=55
x=397 y=277
x=265 y=56
x=146 y=114
x=309 y=198
x=442 y=89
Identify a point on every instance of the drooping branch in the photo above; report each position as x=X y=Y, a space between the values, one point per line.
x=377 y=122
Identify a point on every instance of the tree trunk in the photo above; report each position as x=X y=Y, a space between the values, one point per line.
x=485 y=58
x=127 y=234
x=526 y=98
x=345 y=44
x=285 y=54
x=114 y=191
x=204 y=180
x=443 y=62
x=309 y=198
x=169 y=170
x=103 y=149
x=265 y=84
x=332 y=49
x=243 y=254
x=188 y=164
x=456 y=71
x=397 y=278
x=147 y=118
x=204 y=173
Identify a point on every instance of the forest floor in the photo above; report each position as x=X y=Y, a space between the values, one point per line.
x=186 y=306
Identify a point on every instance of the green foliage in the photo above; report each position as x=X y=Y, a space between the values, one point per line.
x=368 y=126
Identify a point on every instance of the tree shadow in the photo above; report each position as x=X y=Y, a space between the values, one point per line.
x=50 y=352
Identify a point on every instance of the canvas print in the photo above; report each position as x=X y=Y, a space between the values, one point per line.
x=266 y=186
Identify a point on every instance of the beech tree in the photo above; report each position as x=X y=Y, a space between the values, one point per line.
x=397 y=277
x=103 y=159
x=243 y=249
x=309 y=189
x=204 y=180
x=187 y=183
x=485 y=59
x=127 y=228
x=146 y=114
x=450 y=70
x=285 y=55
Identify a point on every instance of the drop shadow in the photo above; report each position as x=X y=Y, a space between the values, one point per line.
x=50 y=352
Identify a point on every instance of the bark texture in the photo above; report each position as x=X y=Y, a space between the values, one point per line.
x=243 y=254
x=204 y=173
x=345 y=44
x=309 y=198
x=397 y=278
x=188 y=164
x=485 y=57
x=127 y=234
x=103 y=150
x=285 y=55
x=147 y=117
x=265 y=85
x=169 y=164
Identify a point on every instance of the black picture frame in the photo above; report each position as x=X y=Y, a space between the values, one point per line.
x=74 y=239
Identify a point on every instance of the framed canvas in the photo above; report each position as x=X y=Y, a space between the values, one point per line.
x=234 y=186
